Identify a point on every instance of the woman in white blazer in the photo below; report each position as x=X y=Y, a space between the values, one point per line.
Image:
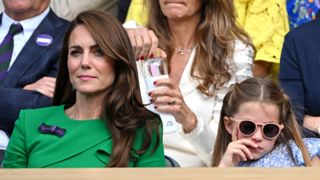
x=206 y=52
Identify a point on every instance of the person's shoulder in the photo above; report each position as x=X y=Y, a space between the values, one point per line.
x=45 y=111
x=312 y=143
x=59 y=21
x=243 y=53
x=30 y=118
x=239 y=44
x=309 y=29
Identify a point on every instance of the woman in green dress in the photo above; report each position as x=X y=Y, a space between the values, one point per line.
x=97 y=119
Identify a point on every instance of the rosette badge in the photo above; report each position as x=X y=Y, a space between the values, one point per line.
x=48 y=129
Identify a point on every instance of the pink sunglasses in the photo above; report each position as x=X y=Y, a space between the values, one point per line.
x=248 y=128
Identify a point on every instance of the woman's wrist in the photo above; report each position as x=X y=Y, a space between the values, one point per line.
x=190 y=124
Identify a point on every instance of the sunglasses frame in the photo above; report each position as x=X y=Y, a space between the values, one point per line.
x=257 y=125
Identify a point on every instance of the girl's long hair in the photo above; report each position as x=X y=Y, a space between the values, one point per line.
x=123 y=110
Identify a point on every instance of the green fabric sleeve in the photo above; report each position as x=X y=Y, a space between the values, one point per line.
x=16 y=153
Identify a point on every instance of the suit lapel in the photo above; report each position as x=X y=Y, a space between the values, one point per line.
x=187 y=83
x=32 y=52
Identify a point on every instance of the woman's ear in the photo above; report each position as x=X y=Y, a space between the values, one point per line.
x=228 y=124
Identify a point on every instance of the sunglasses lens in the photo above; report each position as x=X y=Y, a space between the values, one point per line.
x=271 y=130
x=247 y=127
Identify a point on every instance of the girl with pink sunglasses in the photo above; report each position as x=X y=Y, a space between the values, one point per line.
x=258 y=128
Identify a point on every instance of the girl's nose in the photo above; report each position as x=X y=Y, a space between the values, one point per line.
x=258 y=136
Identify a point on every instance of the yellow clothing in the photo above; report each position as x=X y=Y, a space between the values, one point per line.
x=265 y=21
x=137 y=12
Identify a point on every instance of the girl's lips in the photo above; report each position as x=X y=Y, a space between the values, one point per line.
x=252 y=149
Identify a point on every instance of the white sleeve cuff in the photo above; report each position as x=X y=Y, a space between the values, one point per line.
x=202 y=139
x=131 y=24
x=193 y=134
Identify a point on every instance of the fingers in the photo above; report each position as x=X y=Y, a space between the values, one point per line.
x=165 y=102
x=159 y=53
x=131 y=33
x=237 y=151
x=248 y=143
x=144 y=42
x=49 y=81
x=154 y=44
x=135 y=40
x=242 y=145
x=46 y=91
x=165 y=90
x=170 y=101
x=240 y=153
x=165 y=82
x=168 y=96
x=45 y=86
x=243 y=152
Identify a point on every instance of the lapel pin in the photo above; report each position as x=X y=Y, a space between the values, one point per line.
x=44 y=40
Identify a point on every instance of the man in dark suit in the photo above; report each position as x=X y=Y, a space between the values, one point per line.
x=299 y=74
x=30 y=78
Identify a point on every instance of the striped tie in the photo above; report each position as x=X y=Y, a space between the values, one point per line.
x=6 y=48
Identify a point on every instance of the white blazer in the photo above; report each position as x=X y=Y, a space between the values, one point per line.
x=195 y=149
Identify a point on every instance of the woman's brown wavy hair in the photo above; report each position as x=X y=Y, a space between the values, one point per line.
x=215 y=39
x=264 y=91
x=123 y=110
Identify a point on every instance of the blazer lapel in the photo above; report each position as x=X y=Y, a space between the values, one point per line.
x=74 y=143
x=187 y=84
x=32 y=52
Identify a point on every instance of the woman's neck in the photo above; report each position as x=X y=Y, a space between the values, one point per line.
x=86 y=108
x=183 y=32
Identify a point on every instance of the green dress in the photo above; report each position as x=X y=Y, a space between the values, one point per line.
x=85 y=143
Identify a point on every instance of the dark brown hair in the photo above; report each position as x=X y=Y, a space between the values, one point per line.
x=215 y=39
x=259 y=90
x=123 y=110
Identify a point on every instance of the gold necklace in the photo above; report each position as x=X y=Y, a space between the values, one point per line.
x=182 y=51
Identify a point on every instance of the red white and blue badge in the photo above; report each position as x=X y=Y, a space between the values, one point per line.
x=44 y=40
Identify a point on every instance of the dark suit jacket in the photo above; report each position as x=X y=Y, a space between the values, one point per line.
x=33 y=63
x=299 y=69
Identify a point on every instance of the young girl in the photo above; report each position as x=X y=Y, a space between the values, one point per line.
x=258 y=128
